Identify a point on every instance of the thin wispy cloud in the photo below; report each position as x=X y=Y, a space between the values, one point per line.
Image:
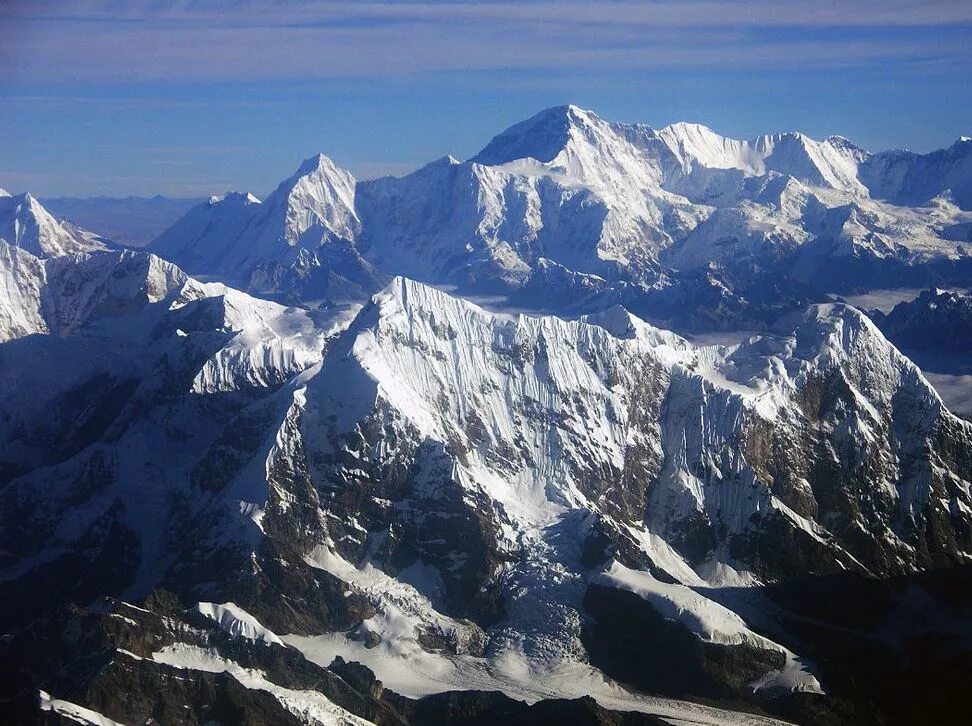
x=305 y=40
x=121 y=96
x=693 y=13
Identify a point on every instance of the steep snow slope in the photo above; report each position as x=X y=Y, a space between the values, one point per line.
x=592 y=203
x=419 y=348
x=499 y=463
x=122 y=361
x=60 y=294
x=460 y=490
x=119 y=297
x=830 y=163
x=22 y=275
x=26 y=224
x=208 y=234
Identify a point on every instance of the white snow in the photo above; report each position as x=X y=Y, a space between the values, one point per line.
x=533 y=411
x=25 y=223
x=74 y=712
x=710 y=621
x=237 y=622
x=311 y=706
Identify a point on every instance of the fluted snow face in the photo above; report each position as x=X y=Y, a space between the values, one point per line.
x=61 y=294
x=126 y=296
x=831 y=163
x=619 y=200
x=545 y=416
x=319 y=194
x=438 y=458
x=22 y=278
x=697 y=146
x=585 y=205
x=493 y=384
x=494 y=446
x=270 y=343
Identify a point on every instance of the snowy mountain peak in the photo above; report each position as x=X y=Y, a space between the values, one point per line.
x=4 y=192
x=300 y=236
x=318 y=163
x=25 y=223
x=590 y=150
x=830 y=163
x=541 y=137
x=320 y=193
x=405 y=294
x=843 y=142
x=695 y=145
x=820 y=163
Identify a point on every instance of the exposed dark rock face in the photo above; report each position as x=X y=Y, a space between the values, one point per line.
x=449 y=481
x=894 y=651
x=490 y=707
x=111 y=671
x=101 y=659
x=890 y=651
x=631 y=641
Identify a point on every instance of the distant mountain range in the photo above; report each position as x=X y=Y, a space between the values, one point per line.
x=305 y=459
x=132 y=221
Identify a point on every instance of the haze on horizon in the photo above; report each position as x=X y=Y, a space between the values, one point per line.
x=188 y=99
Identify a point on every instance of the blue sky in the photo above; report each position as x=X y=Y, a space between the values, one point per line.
x=191 y=98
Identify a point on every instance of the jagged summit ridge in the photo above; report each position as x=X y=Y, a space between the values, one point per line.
x=551 y=132
x=457 y=494
x=234 y=197
x=624 y=203
x=532 y=434
x=438 y=484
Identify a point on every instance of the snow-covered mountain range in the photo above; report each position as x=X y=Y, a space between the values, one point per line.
x=621 y=205
x=284 y=464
